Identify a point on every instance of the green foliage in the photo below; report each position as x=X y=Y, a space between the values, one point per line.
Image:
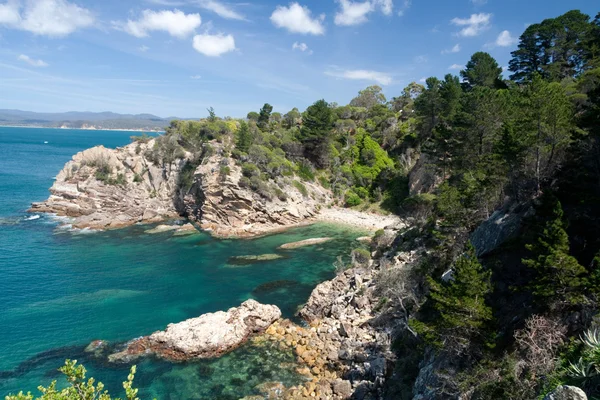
x=352 y=199
x=244 y=138
x=79 y=388
x=482 y=70
x=305 y=171
x=460 y=303
x=559 y=276
x=264 y=116
x=301 y=188
x=315 y=133
x=369 y=97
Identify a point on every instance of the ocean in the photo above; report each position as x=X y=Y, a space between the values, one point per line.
x=62 y=288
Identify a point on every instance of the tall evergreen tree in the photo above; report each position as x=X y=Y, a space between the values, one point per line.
x=482 y=70
x=559 y=275
x=244 y=138
x=315 y=134
x=264 y=116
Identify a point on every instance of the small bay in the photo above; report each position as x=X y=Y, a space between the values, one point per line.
x=61 y=289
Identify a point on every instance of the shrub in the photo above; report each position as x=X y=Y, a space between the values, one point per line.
x=224 y=171
x=360 y=256
x=324 y=182
x=137 y=178
x=250 y=170
x=362 y=192
x=301 y=188
x=352 y=199
x=306 y=171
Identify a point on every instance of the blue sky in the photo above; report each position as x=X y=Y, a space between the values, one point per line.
x=178 y=57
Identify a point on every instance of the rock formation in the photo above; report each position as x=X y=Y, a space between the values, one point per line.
x=131 y=188
x=104 y=188
x=207 y=336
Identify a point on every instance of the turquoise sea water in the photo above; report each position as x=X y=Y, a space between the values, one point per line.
x=60 y=289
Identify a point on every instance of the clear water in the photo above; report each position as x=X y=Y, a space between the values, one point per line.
x=61 y=289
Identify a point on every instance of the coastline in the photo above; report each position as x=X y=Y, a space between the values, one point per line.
x=80 y=129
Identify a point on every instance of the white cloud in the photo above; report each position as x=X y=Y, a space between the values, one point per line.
x=195 y=77
x=473 y=25
x=455 y=66
x=363 y=75
x=222 y=10
x=175 y=22
x=479 y=2
x=9 y=14
x=353 y=13
x=387 y=6
x=214 y=45
x=454 y=49
x=143 y=49
x=54 y=18
x=505 y=39
x=32 y=62
x=303 y=47
x=423 y=80
x=297 y=19
x=405 y=6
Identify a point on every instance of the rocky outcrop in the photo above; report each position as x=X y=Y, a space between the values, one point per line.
x=220 y=203
x=304 y=243
x=423 y=178
x=207 y=336
x=565 y=392
x=502 y=226
x=104 y=188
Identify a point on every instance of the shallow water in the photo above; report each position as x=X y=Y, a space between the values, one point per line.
x=60 y=289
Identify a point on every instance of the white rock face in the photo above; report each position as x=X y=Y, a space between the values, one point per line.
x=565 y=392
x=207 y=336
x=140 y=190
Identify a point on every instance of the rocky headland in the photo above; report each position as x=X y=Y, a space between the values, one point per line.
x=103 y=188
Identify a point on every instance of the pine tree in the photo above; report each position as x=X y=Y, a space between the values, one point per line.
x=482 y=70
x=315 y=134
x=264 y=116
x=244 y=138
x=463 y=312
x=559 y=275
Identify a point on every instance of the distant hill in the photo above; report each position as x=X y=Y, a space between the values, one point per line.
x=84 y=120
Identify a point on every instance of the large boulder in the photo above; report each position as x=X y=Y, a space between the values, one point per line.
x=502 y=226
x=565 y=392
x=207 y=336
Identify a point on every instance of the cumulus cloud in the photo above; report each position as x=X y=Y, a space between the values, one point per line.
x=454 y=49
x=473 y=25
x=222 y=10
x=54 y=18
x=213 y=45
x=303 y=47
x=505 y=39
x=387 y=6
x=297 y=19
x=31 y=61
x=352 y=13
x=363 y=75
x=176 y=23
x=455 y=67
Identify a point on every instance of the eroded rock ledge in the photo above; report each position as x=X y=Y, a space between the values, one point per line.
x=207 y=336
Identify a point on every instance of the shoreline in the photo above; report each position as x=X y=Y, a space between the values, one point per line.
x=79 y=129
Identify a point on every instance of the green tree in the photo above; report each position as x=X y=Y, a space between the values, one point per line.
x=244 y=138
x=405 y=102
x=79 y=388
x=212 y=116
x=559 y=276
x=482 y=70
x=460 y=303
x=252 y=116
x=369 y=97
x=292 y=118
x=428 y=106
x=315 y=134
x=264 y=116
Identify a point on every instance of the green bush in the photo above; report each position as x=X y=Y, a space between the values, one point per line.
x=362 y=192
x=250 y=170
x=352 y=199
x=301 y=188
x=306 y=171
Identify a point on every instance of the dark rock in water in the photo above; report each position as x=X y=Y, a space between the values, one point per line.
x=273 y=286
x=97 y=348
x=252 y=259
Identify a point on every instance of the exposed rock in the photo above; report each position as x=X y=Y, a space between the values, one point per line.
x=304 y=243
x=342 y=388
x=134 y=189
x=565 y=392
x=207 y=336
x=502 y=226
x=423 y=178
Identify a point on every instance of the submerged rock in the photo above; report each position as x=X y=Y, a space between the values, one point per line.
x=303 y=243
x=207 y=336
x=247 y=260
x=97 y=348
x=273 y=286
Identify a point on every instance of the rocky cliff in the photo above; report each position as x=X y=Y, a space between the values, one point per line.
x=104 y=188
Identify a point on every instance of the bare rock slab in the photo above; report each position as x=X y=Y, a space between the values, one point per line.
x=303 y=243
x=210 y=335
